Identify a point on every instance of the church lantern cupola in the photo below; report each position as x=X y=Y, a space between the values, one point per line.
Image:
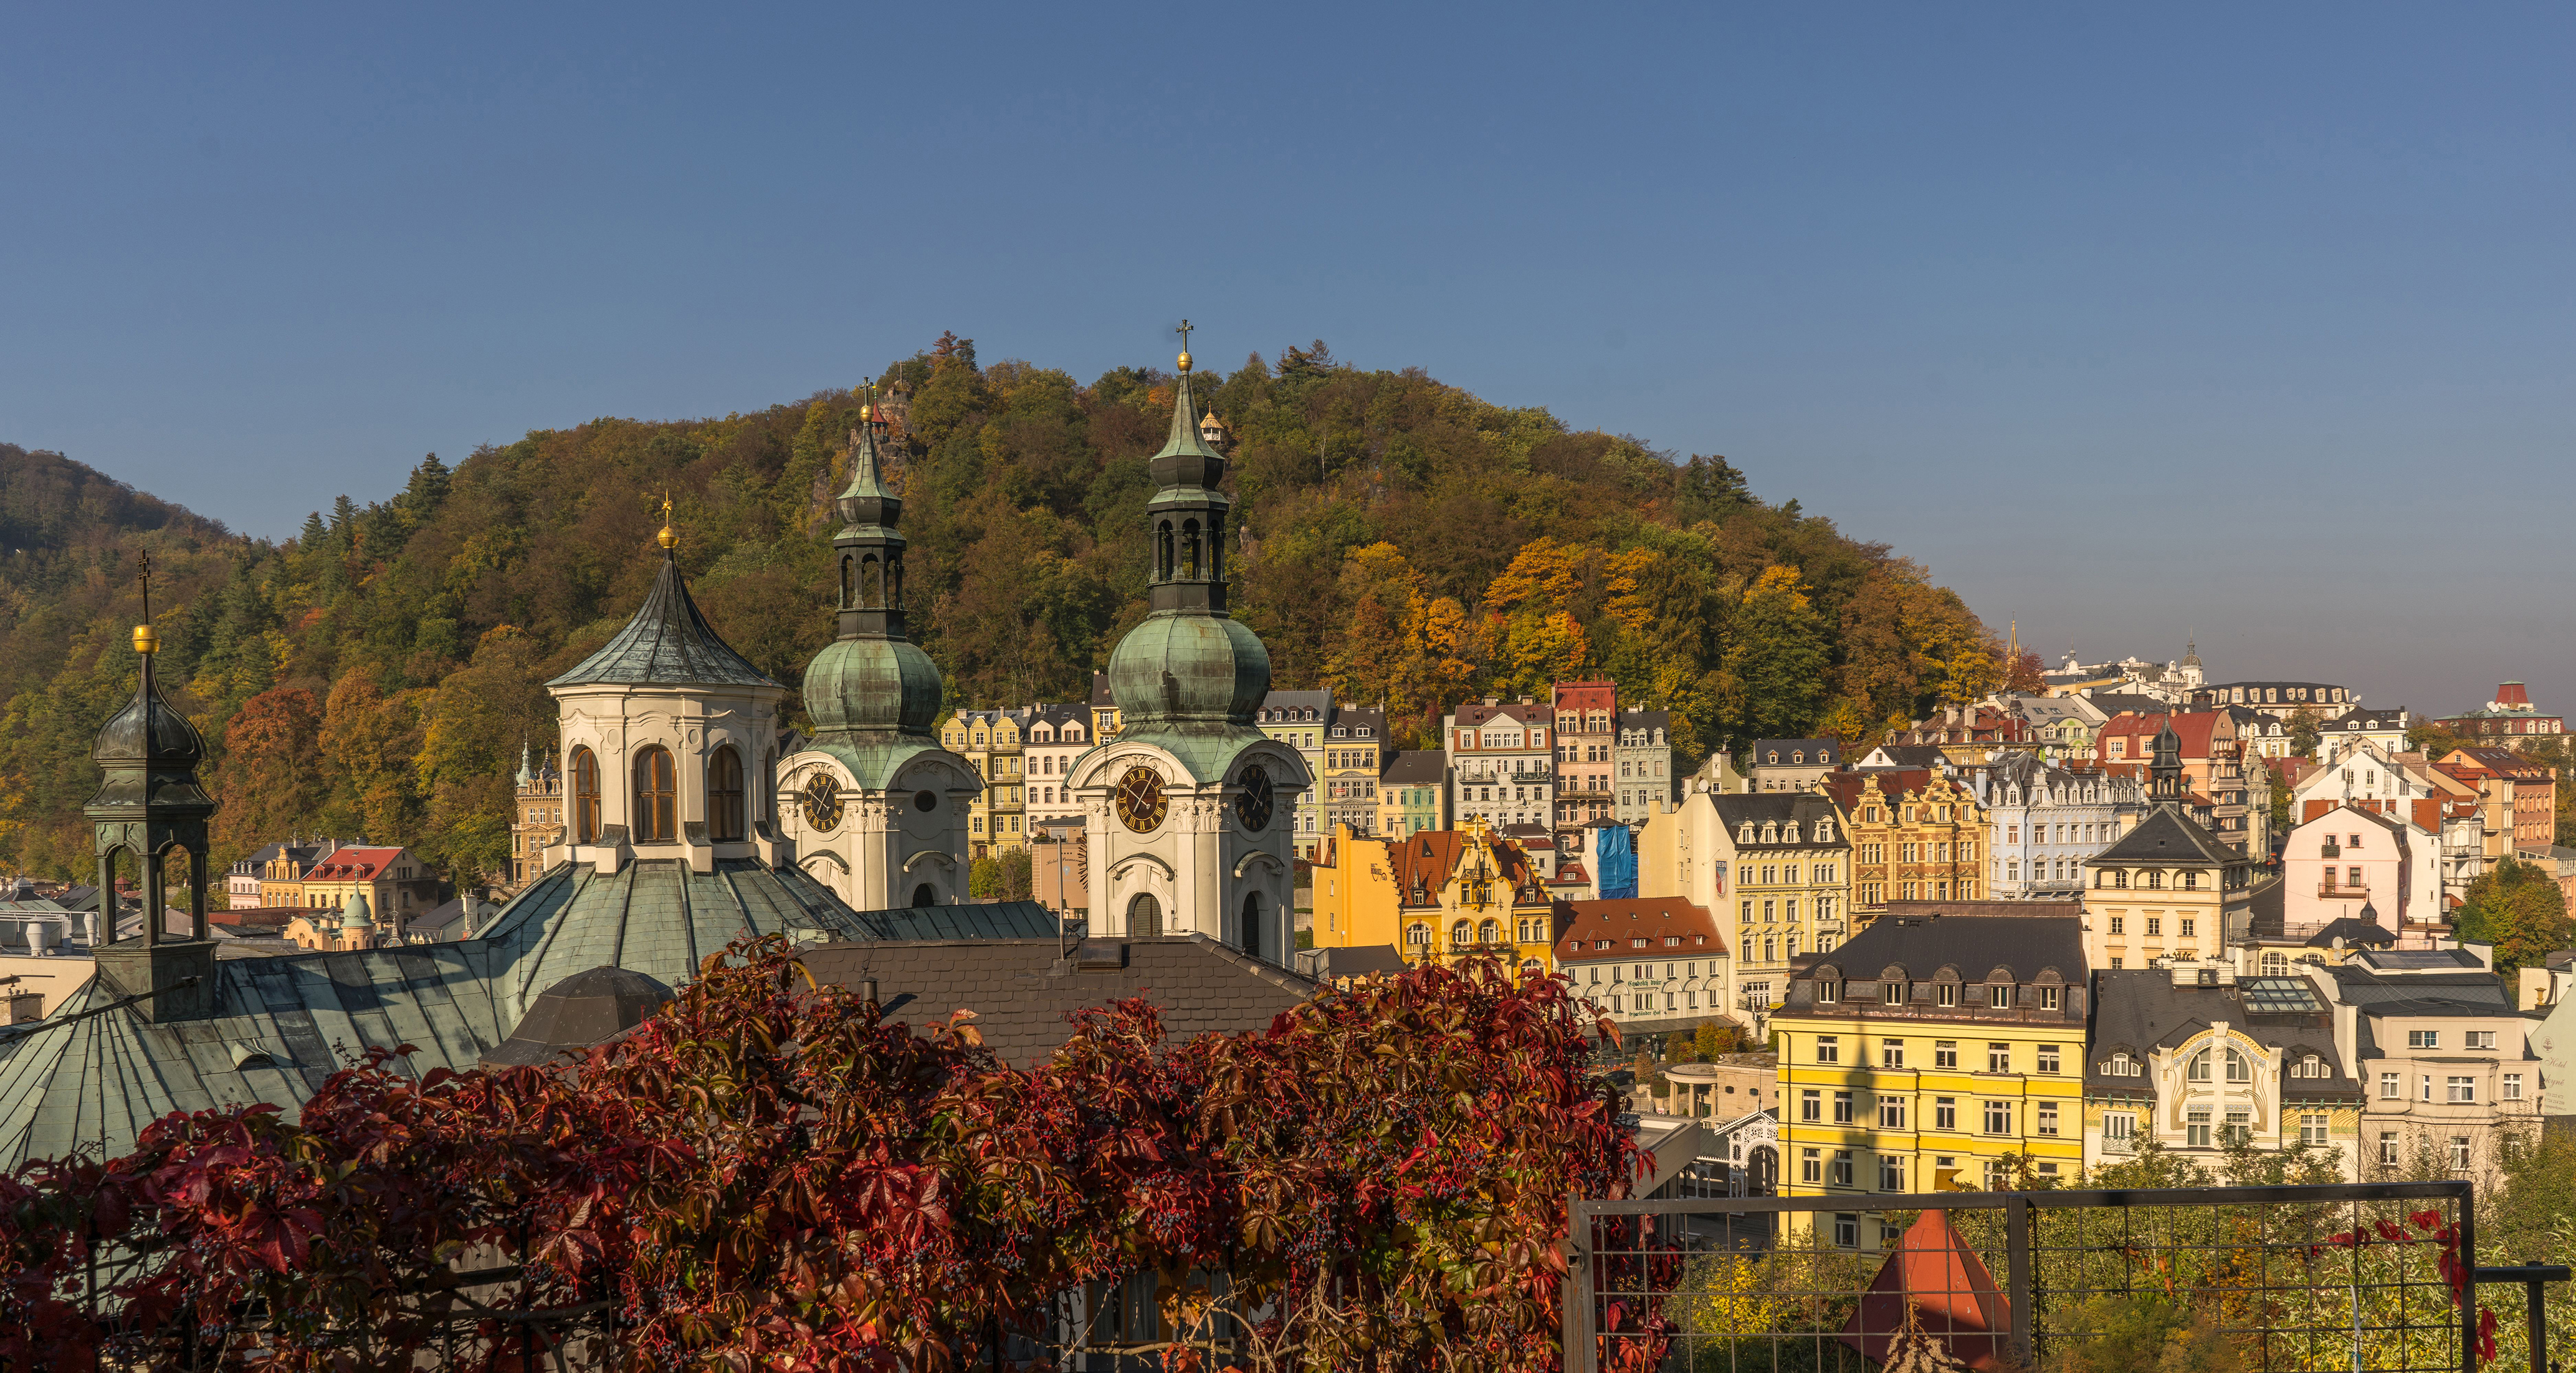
x=871 y=679
x=149 y=812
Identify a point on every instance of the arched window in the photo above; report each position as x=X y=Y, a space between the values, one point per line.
x=1489 y=933
x=724 y=795
x=2199 y=1069
x=871 y=582
x=585 y=796
x=925 y=895
x=2238 y=1070
x=1163 y=551
x=1458 y=934
x=657 y=799
x=894 y=581
x=1189 y=550
x=846 y=587
x=1252 y=932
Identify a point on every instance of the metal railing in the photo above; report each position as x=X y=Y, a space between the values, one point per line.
x=2361 y=1277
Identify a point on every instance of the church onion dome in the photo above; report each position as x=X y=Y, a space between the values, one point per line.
x=354 y=914
x=1188 y=662
x=668 y=643
x=873 y=684
x=149 y=731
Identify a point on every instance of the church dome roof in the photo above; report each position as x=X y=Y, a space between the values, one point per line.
x=872 y=684
x=149 y=730
x=1181 y=666
x=668 y=643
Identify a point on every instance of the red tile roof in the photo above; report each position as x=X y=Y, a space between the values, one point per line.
x=346 y=865
x=1621 y=923
x=2192 y=727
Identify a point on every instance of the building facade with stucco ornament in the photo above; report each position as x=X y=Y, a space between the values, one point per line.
x=1189 y=809
x=875 y=808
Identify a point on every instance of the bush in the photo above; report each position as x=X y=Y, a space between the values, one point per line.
x=2141 y=1335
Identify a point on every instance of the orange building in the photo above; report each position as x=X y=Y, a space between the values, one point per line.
x=1915 y=836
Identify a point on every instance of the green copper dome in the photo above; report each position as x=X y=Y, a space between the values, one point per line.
x=872 y=684
x=1188 y=666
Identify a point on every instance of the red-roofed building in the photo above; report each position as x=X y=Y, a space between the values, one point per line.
x=1966 y=734
x=1651 y=963
x=2213 y=761
x=1435 y=895
x=2517 y=799
x=2510 y=720
x=398 y=886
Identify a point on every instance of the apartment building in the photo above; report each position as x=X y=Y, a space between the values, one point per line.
x=1587 y=746
x=1353 y=755
x=1650 y=964
x=2212 y=758
x=2195 y=1059
x=1435 y=896
x=2448 y=1069
x=1412 y=793
x=992 y=741
x=2042 y=822
x=2169 y=887
x=1647 y=769
x=1302 y=720
x=2371 y=866
x=1928 y=1053
x=1916 y=835
x=1780 y=861
x=2517 y=799
x=1791 y=764
x=1056 y=736
x=1502 y=762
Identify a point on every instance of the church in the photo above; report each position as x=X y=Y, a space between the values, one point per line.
x=681 y=832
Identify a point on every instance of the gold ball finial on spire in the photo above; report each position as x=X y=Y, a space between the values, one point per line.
x=669 y=537
x=145 y=640
x=1185 y=345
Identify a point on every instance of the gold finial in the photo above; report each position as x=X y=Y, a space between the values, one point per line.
x=669 y=537
x=145 y=641
x=867 y=402
x=1185 y=345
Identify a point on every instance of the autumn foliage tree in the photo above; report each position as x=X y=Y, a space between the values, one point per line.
x=772 y=1174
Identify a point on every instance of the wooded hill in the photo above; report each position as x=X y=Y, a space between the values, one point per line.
x=1403 y=541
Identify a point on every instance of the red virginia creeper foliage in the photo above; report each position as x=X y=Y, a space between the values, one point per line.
x=769 y=1175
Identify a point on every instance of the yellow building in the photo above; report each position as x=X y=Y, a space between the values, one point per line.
x=1932 y=1053
x=1773 y=867
x=1435 y=895
x=993 y=740
x=1915 y=836
x=2169 y=886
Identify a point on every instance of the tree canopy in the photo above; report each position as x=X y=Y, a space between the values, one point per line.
x=1400 y=541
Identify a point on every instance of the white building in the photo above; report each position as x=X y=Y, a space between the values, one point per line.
x=2195 y=1057
x=1056 y=736
x=2044 y=822
x=1502 y=767
x=2353 y=864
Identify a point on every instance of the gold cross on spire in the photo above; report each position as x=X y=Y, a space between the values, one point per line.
x=1185 y=345
x=669 y=537
x=145 y=641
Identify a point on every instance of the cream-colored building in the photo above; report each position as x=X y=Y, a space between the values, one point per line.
x=1774 y=867
x=2193 y=1057
x=2169 y=887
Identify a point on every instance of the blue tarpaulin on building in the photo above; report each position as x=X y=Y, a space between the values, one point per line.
x=1614 y=862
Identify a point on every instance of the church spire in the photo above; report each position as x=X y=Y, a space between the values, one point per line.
x=870 y=680
x=1189 y=508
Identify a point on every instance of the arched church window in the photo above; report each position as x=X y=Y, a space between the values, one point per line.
x=724 y=795
x=656 y=797
x=585 y=796
x=1163 y=551
x=925 y=895
x=871 y=582
x=894 y=581
x=845 y=582
x=1144 y=915
x=1252 y=931
x=1189 y=550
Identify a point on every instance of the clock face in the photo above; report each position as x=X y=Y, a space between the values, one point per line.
x=1252 y=803
x=822 y=803
x=1141 y=802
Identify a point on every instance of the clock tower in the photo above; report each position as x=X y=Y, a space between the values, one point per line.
x=1188 y=806
x=874 y=805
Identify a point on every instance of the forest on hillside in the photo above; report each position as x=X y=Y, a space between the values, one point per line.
x=1402 y=541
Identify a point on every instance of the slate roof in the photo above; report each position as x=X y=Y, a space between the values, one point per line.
x=1908 y=756
x=1023 y=990
x=2140 y=1009
x=1415 y=767
x=2163 y=839
x=1975 y=945
x=2476 y=994
x=1795 y=752
x=1325 y=964
x=668 y=643
x=1806 y=809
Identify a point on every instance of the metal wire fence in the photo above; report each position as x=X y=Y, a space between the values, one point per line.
x=2354 y=1277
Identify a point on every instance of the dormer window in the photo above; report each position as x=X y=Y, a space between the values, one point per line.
x=1770 y=833
x=1798 y=756
x=1824 y=831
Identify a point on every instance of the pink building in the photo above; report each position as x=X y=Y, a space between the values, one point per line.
x=2355 y=864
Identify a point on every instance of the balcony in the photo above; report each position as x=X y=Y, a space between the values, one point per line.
x=2347 y=892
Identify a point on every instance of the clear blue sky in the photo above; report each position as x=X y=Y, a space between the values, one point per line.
x=2248 y=320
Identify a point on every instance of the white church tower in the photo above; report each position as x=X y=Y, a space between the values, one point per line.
x=1189 y=807
x=875 y=807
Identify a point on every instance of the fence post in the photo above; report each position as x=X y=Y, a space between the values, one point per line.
x=1575 y=1330
x=2017 y=1282
x=2468 y=1261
